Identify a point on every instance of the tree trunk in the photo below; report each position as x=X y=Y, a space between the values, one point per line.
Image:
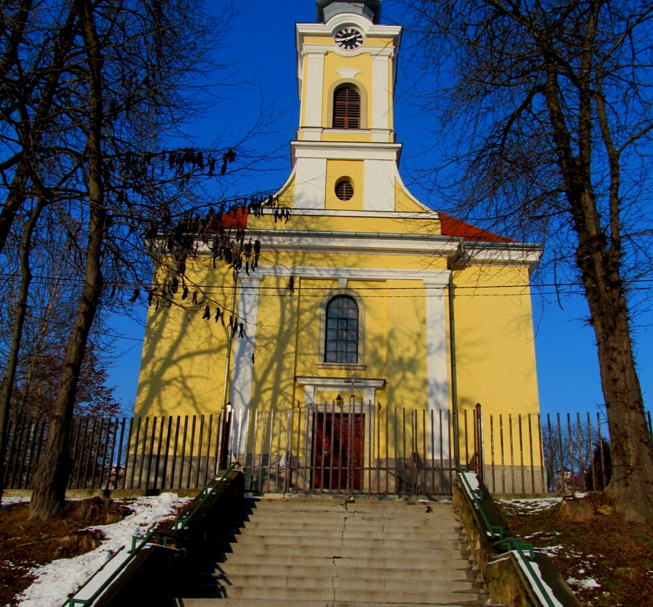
x=631 y=444
x=17 y=333
x=54 y=469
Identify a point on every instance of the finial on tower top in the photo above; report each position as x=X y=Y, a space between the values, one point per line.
x=368 y=8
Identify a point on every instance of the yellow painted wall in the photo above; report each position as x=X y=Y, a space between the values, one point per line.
x=405 y=204
x=352 y=170
x=495 y=348
x=182 y=367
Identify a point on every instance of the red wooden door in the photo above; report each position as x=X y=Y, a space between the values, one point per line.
x=339 y=448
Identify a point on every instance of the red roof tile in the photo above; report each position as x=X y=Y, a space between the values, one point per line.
x=450 y=226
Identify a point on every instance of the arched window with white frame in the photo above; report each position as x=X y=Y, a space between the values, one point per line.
x=341 y=331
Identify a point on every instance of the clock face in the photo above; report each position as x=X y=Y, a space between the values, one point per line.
x=349 y=38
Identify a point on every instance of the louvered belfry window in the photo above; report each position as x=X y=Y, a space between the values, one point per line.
x=347 y=108
x=345 y=190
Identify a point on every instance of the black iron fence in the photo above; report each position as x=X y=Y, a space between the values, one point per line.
x=333 y=447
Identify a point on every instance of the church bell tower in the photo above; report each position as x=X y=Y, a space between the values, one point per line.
x=345 y=157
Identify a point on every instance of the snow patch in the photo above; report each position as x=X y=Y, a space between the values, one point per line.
x=12 y=501
x=58 y=580
x=587 y=584
x=530 y=506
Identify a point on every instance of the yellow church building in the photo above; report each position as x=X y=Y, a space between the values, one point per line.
x=365 y=373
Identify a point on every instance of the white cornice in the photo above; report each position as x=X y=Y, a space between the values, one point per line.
x=337 y=382
x=432 y=278
x=424 y=216
x=343 y=150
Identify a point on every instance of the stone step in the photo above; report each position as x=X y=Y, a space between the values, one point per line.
x=265 y=581
x=330 y=594
x=227 y=602
x=328 y=568
x=372 y=549
x=347 y=534
x=351 y=519
x=447 y=560
x=340 y=538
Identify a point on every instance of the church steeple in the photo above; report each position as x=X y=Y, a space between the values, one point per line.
x=368 y=8
x=345 y=157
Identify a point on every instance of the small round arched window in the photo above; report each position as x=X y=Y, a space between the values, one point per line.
x=344 y=189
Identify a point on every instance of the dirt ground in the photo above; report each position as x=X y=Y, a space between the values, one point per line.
x=605 y=560
x=26 y=544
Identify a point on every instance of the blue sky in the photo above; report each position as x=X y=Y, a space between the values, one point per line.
x=260 y=77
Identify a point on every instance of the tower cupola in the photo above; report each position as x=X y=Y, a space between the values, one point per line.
x=368 y=8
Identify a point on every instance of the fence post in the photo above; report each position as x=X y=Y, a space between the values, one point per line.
x=224 y=442
x=479 y=442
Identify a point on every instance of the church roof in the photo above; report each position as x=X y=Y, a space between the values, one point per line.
x=449 y=226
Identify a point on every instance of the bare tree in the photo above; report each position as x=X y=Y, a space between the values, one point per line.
x=549 y=103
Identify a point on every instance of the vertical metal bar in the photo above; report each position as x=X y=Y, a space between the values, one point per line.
x=494 y=486
x=143 y=451
x=530 y=446
x=589 y=432
x=551 y=452
x=113 y=450
x=183 y=453
x=562 y=461
x=341 y=425
x=289 y=451
x=218 y=427
x=571 y=452
x=403 y=450
x=106 y=452
x=130 y=429
x=387 y=448
x=175 y=455
x=260 y=473
x=97 y=453
x=89 y=452
x=333 y=432
x=503 y=454
x=605 y=476
x=450 y=438
x=157 y=467
x=299 y=444
x=539 y=435
x=324 y=431
x=521 y=454
x=155 y=420
x=81 y=453
x=199 y=451
x=209 y=434
x=466 y=439
x=166 y=457
x=278 y=454
x=377 y=416
x=442 y=452
x=512 y=452
x=432 y=442
x=189 y=478
x=396 y=452
x=270 y=444
x=425 y=452
x=581 y=458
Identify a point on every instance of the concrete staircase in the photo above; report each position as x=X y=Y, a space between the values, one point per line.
x=295 y=552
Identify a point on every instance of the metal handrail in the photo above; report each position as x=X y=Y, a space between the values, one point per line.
x=515 y=544
x=138 y=543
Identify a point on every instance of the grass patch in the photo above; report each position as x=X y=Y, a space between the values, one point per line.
x=605 y=560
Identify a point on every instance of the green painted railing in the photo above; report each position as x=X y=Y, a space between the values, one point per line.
x=138 y=543
x=515 y=544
